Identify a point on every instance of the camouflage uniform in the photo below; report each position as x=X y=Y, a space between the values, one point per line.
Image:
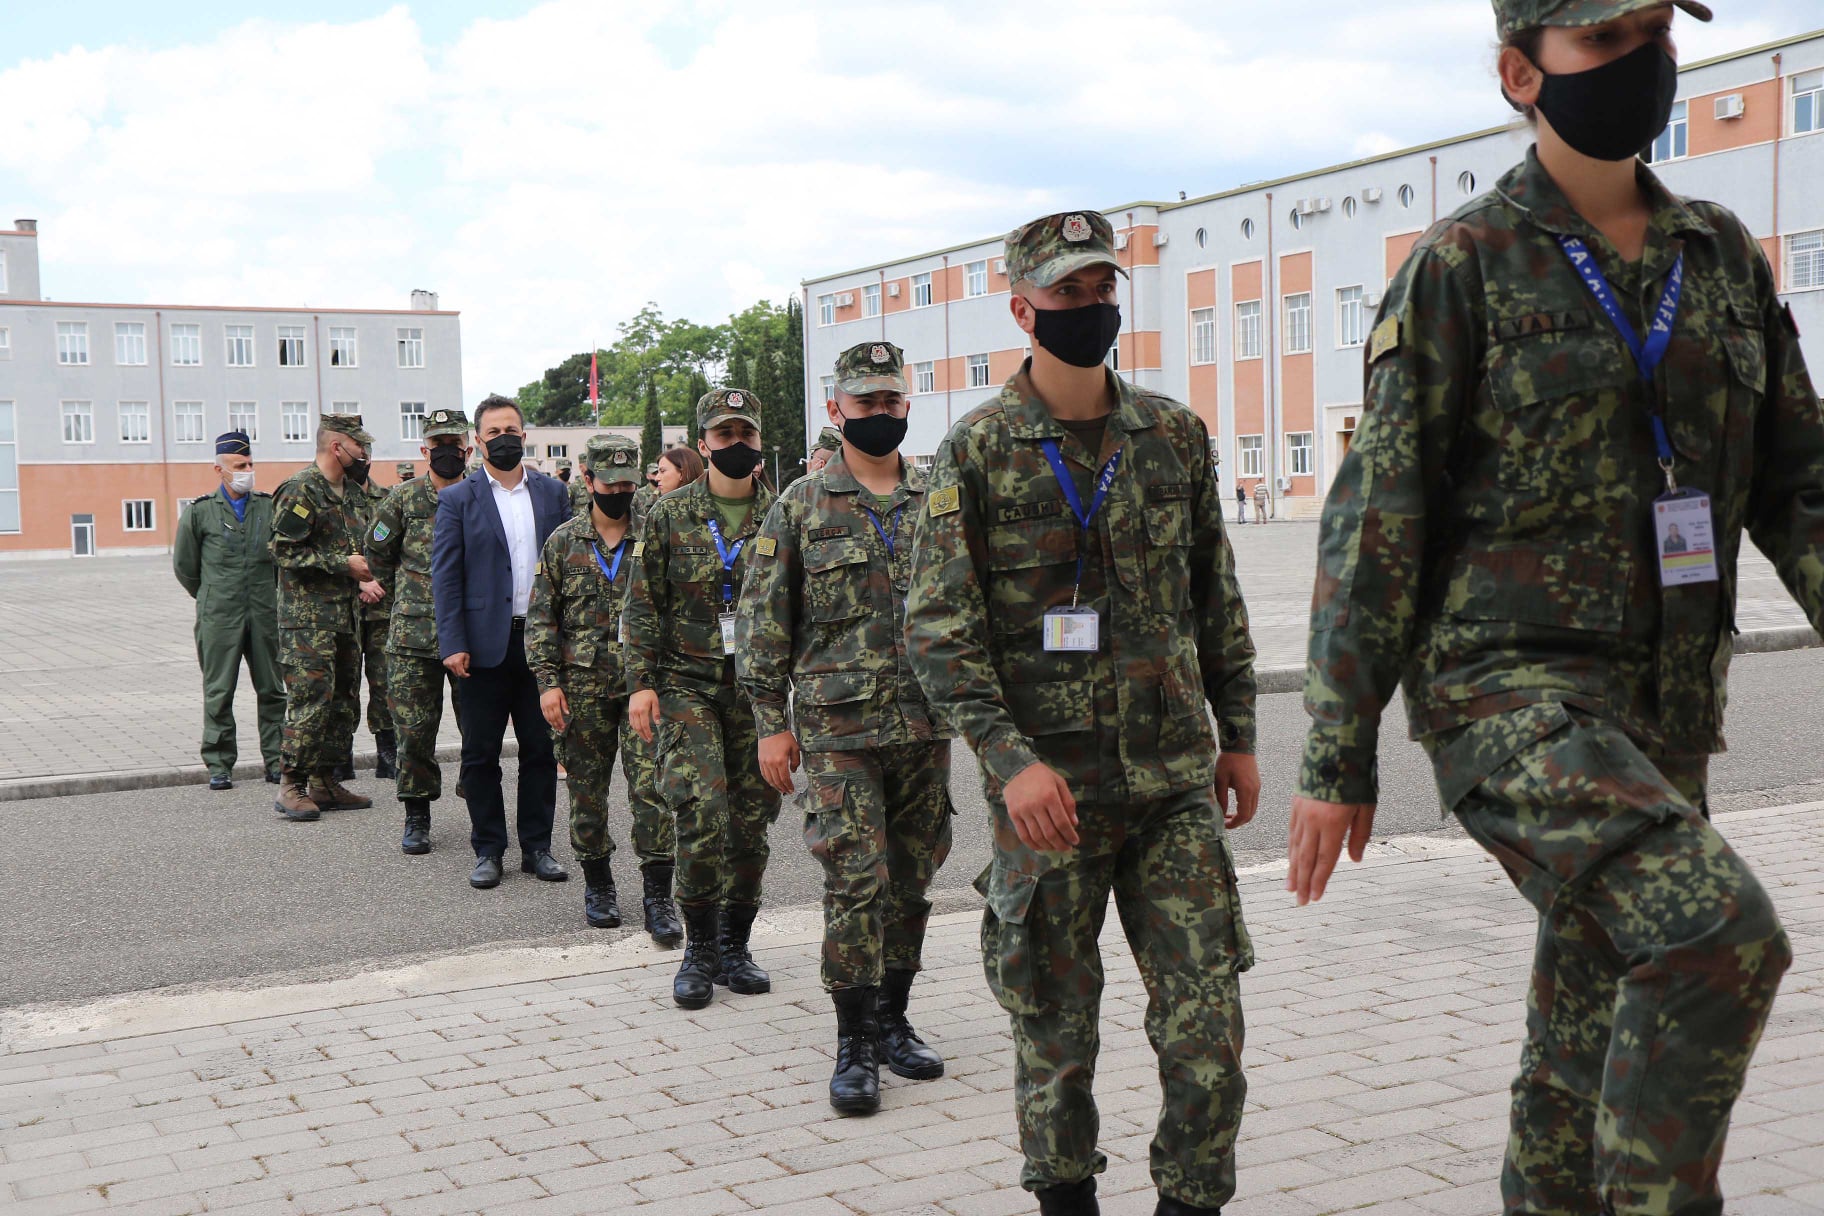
x=374 y=621
x=1490 y=541
x=406 y=471
x=639 y=759
x=579 y=494
x=1126 y=727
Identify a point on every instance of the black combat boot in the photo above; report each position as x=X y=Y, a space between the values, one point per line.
x=600 y=906
x=661 y=913
x=693 y=987
x=294 y=800
x=738 y=969
x=417 y=838
x=345 y=771
x=1069 y=1199
x=1178 y=1207
x=386 y=754
x=855 y=1085
x=900 y=1046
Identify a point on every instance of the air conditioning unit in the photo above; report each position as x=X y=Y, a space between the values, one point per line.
x=1730 y=106
x=1320 y=204
x=846 y=299
x=1371 y=195
x=1285 y=485
x=1371 y=299
x=893 y=290
x=1000 y=265
x=1120 y=240
x=1160 y=239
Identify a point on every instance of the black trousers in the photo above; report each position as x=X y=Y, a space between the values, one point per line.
x=490 y=697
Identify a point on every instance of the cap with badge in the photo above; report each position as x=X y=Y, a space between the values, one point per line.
x=1047 y=249
x=830 y=440
x=612 y=458
x=870 y=368
x=445 y=422
x=563 y=462
x=346 y=424
x=652 y=470
x=720 y=405
x=406 y=470
x=233 y=443
x=1512 y=16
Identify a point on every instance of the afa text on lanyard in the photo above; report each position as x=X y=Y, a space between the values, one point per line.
x=1077 y=628
x=729 y=554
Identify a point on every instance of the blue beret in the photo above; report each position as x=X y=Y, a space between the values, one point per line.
x=234 y=443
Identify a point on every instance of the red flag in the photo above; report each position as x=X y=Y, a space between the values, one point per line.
x=593 y=398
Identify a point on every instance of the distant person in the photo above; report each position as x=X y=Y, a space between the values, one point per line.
x=375 y=617
x=828 y=444
x=484 y=553
x=1241 y=503
x=223 y=559
x=406 y=471
x=678 y=467
x=652 y=476
x=1262 y=500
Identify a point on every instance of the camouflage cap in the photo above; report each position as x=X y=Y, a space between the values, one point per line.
x=1047 y=249
x=445 y=422
x=719 y=405
x=563 y=462
x=611 y=458
x=406 y=470
x=871 y=367
x=652 y=470
x=1511 y=16
x=346 y=424
x=830 y=440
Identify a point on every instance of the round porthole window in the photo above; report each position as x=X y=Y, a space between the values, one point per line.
x=1466 y=182
x=1349 y=206
x=1405 y=196
x=1247 y=230
x=1297 y=220
x=1203 y=238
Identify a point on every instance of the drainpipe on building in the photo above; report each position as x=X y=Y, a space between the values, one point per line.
x=949 y=385
x=1269 y=352
x=164 y=429
x=1779 y=88
x=1434 y=189
x=804 y=339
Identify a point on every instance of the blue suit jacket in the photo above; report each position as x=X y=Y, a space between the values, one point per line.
x=471 y=570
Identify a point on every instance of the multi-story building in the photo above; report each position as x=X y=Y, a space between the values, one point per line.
x=1253 y=305
x=546 y=444
x=109 y=412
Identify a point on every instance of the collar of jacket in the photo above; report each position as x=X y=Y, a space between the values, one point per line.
x=1027 y=417
x=838 y=480
x=1530 y=188
x=698 y=504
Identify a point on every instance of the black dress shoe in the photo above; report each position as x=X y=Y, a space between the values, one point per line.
x=542 y=866
x=221 y=782
x=487 y=873
x=272 y=776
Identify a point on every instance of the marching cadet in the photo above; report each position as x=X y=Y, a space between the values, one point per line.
x=1561 y=372
x=573 y=647
x=681 y=677
x=1073 y=610
x=374 y=623
x=399 y=554
x=823 y=617
x=639 y=759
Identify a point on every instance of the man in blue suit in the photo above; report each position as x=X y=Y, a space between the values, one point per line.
x=491 y=527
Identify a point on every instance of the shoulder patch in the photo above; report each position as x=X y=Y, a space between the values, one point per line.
x=301 y=510
x=1386 y=338
x=766 y=546
x=946 y=501
x=381 y=531
x=639 y=548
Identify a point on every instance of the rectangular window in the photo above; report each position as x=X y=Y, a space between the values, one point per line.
x=9 y=470
x=78 y=422
x=1247 y=454
x=978 y=371
x=1351 y=320
x=245 y=416
x=870 y=300
x=1804 y=260
x=411 y=421
x=826 y=310
x=1673 y=142
x=1808 y=103
x=345 y=407
x=6 y=342
x=1203 y=335
x=73 y=343
x=411 y=348
x=189 y=417
x=342 y=346
x=1247 y=329
x=1113 y=357
x=135 y=422
x=1298 y=323
x=137 y=514
x=186 y=346
x=130 y=343
x=829 y=388
x=975 y=279
x=1298 y=453
x=294 y=421
x=291 y=346
x=924 y=377
x=921 y=290
x=240 y=345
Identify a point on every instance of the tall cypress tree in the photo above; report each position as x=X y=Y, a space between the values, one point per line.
x=652 y=435
x=699 y=387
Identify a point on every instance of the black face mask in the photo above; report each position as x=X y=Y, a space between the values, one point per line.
x=876 y=434
x=1079 y=336
x=615 y=505
x=737 y=460
x=506 y=451
x=1613 y=112
x=447 y=462
x=356 y=471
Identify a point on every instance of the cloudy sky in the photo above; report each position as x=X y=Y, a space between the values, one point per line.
x=549 y=167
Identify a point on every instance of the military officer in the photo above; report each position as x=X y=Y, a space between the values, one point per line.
x=1562 y=370
x=406 y=471
x=323 y=579
x=579 y=493
x=374 y=622
x=573 y=648
x=1073 y=612
x=399 y=554
x=829 y=442
x=823 y=617
x=680 y=649
x=223 y=559
x=639 y=759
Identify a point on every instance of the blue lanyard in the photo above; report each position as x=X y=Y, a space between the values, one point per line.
x=1068 y=485
x=1649 y=354
x=610 y=572
x=886 y=539
x=729 y=554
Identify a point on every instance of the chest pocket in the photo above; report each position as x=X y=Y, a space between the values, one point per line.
x=415 y=550
x=696 y=574
x=836 y=579
x=1034 y=566
x=1168 y=555
x=1558 y=397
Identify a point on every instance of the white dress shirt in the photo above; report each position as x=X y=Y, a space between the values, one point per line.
x=517 y=520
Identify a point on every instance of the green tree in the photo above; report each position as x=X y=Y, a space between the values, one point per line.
x=652 y=435
x=698 y=388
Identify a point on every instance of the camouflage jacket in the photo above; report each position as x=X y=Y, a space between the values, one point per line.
x=579 y=494
x=369 y=500
x=997 y=547
x=315 y=530
x=575 y=617
x=643 y=498
x=675 y=602
x=1489 y=538
x=399 y=553
x=824 y=609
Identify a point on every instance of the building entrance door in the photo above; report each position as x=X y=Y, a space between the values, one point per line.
x=82 y=535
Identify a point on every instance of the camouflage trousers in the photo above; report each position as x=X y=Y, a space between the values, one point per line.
x=879 y=821
x=414 y=694
x=598 y=725
x=1655 y=967
x=374 y=661
x=1168 y=864
x=640 y=766
x=322 y=672
x=709 y=775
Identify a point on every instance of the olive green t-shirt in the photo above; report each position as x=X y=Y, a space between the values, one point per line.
x=732 y=511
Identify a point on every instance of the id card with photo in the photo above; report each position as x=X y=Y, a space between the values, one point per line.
x=1077 y=629
x=1684 y=537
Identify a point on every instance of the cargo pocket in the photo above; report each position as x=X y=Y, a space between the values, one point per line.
x=1242 y=956
x=1007 y=947
x=826 y=821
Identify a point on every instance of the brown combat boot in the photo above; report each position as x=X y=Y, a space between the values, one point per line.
x=332 y=795
x=294 y=800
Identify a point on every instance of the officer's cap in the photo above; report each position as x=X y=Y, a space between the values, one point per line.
x=445 y=422
x=1047 y=249
x=719 y=405
x=1511 y=16
x=871 y=367
x=612 y=458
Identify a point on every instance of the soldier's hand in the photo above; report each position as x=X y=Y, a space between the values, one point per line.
x=458 y=665
x=779 y=758
x=643 y=712
x=1239 y=773
x=1316 y=841
x=372 y=592
x=357 y=566
x=1043 y=812
x=556 y=708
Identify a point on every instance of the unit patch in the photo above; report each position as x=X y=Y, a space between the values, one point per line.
x=1386 y=338
x=766 y=546
x=946 y=501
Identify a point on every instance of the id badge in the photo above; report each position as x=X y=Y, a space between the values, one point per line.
x=1069 y=629
x=1685 y=537
x=728 y=633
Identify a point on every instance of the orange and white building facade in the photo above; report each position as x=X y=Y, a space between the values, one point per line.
x=1254 y=305
x=109 y=412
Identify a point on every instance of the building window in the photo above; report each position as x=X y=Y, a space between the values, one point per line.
x=556 y=449
x=870 y=300
x=975 y=278
x=189 y=417
x=1808 y=103
x=1247 y=230
x=291 y=346
x=186 y=346
x=1351 y=321
x=245 y=416
x=240 y=345
x=78 y=422
x=294 y=421
x=826 y=310
x=1348 y=206
x=9 y=470
x=73 y=343
x=1203 y=237
x=342 y=346
x=921 y=290
x=1247 y=329
x=978 y=371
x=1671 y=143
x=1247 y=455
x=135 y=422
x=1113 y=358
x=1298 y=453
x=1466 y=182
x=345 y=407
x=130 y=343
x=137 y=514
x=1804 y=261
x=411 y=348
x=3 y=277
x=1405 y=196
x=829 y=387
x=924 y=377
x=1298 y=323
x=411 y=420
x=1203 y=335
x=6 y=343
